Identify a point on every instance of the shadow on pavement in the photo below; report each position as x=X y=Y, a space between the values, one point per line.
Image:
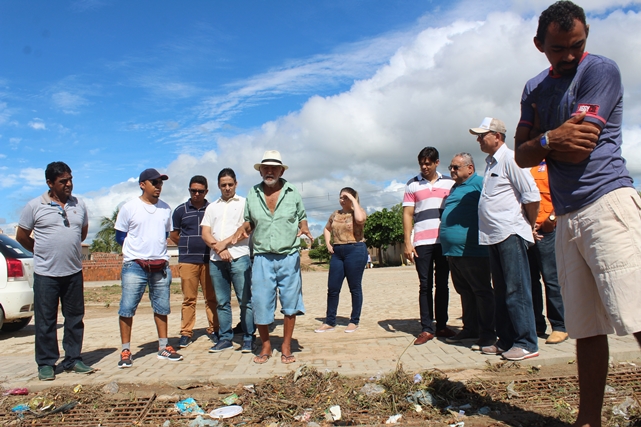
x=408 y=326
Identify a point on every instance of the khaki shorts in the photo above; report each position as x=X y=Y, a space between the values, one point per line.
x=598 y=254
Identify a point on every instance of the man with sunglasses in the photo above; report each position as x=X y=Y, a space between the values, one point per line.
x=193 y=259
x=142 y=228
x=468 y=261
x=59 y=223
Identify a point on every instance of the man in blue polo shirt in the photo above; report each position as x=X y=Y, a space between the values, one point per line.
x=193 y=259
x=571 y=116
x=469 y=262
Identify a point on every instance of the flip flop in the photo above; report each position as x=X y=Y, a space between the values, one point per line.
x=287 y=359
x=262 y=358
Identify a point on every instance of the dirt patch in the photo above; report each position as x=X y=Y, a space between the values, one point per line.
x=505 y=394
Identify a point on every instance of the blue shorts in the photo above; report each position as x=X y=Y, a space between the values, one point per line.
x=272 y=274
x=135 y=280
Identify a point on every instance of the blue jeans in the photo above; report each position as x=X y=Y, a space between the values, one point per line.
x=134 y=282
x=430 y=263
x=542 y=257
x=471 y=279
x=514 y=315
x=223 y=275
x=348 y=261
x=47 y=291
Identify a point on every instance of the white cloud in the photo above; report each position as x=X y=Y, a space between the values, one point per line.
x=14 y=142
x=37 y=124
x=68 y=102
x=32 y=177
x=430 y=91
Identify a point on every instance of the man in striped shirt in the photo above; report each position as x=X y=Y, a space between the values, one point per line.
x=422 y=208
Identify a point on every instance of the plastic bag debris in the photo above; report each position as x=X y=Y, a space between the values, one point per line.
x=42 y=403
x=623 y=409
x=394 y=419
x=459 y=424
x=16 y=392
x=23 y=407
x=166 y=423
x=78 y=388
x=199 y=421
x=298 y=373
x=418 y=408
x=226 y=412
x=421 y=397
x=188 y=407
x=484 y=410
x=333 y=413
x=305 y=416
x=372 y=389
x=511 y=392
x=111 y=388
x=231 y=399
x=610 y=389
x=418 y=378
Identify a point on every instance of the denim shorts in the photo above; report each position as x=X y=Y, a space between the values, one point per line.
x=135 y=280
x=272 y=274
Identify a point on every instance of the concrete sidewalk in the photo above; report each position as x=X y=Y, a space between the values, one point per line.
x=389 y=323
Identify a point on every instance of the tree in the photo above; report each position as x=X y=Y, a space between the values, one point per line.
x=321 y=253
x=384 y=228
x=105 y=240
x=303 y=243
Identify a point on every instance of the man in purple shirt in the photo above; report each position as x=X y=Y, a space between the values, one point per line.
x=571 y=116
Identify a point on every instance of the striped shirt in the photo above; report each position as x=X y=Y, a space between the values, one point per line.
x=428 y=201
x=186 y=219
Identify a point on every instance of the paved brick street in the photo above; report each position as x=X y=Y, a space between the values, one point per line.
x=388 y=326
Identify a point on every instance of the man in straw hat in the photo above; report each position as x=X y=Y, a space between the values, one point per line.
x=275 y=215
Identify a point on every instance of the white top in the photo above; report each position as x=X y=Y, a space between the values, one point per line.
x=147 y=227
x=506 y=188
x=224 y=218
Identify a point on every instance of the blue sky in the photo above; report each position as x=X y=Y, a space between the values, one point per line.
x=348 y=91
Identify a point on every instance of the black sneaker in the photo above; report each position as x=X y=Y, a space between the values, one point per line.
x=46 y=373
x=126 y=361
x=184 y=341
x=464 y=335
x=168 y=353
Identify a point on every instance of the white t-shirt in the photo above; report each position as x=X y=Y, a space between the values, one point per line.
x=146 y=227
x=224 y=218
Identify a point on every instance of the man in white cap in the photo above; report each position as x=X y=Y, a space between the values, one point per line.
x=508 y=208
x=142 y=227
x=276 y=218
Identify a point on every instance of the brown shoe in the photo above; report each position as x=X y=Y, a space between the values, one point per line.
x=423 y=337
x=557 y=337
x=445 y=333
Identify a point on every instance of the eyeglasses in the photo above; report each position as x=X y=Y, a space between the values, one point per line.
x=453 y=167
x=156 y=182
x=197 y=191
x=65 y=220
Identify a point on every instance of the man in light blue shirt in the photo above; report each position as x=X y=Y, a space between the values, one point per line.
x=508 y=208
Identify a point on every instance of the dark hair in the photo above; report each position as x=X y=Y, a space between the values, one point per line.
x=351 y=191
x=198 y=179
x=55 y=169
x=428 y=153
x=563 y=13
x=227 y=172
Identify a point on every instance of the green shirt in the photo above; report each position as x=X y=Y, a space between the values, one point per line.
x=275 y=233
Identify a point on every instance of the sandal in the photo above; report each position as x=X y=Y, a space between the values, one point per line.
x=262 y=358
x=287 y=359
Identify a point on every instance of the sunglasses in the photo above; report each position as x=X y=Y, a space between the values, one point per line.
x=453 y=167
x=196 y=191
x=65 y=220
x=156 y=182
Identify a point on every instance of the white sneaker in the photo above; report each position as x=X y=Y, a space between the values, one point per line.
x=352 y=327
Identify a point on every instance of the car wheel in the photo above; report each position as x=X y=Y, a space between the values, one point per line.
x=16 y=326
x=1 y=317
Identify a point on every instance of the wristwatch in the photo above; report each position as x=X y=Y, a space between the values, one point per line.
x=545 y=142
x=552 y=218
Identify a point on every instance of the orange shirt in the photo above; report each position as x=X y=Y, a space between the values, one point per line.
x=540 y=174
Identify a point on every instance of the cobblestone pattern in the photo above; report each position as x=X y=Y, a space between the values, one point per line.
x=385 y=338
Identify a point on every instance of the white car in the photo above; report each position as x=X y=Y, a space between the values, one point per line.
x=16 y=285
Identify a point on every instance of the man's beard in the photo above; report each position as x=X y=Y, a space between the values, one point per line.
x=271 y=184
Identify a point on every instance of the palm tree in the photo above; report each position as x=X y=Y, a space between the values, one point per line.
x=105 y=240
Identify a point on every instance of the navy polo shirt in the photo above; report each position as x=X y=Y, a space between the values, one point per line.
x=191 y=247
